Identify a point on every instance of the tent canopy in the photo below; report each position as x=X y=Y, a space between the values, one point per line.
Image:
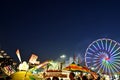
x=75 y=67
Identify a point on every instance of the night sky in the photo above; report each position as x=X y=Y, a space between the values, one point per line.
x=52 y=28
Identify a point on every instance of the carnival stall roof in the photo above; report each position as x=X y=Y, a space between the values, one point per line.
x=85 y=69
x=73 y=67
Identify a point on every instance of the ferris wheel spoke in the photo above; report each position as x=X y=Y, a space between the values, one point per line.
x=113 y=47
x=98 y=45
x=95 y=61
x=98 y=53
x=91 y=49
x=115 y=54
x=95 y=64
x=115 y=51
x=104 y=68
x=110 y=68
x=96 y=56
x=89 y=53
x=102 y=45
x=117 y=60
x=100 y=65
x=114 y=67
x=116 y=63
x=110 y=45
x=100 y=68
x=117 y=57
x=89 y=62
x=95 y=47
x=106 y=45
x=88 y=57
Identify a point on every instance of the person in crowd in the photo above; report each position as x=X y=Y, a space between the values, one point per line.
x=98 y=78
x=84 y=77
x=2 y=79
x=71 y=76
x=55 y=78
x=78 y=78
x=90 y=77
x=80 y=75
x=8 y=78
x=48 y=79
x=61 y=79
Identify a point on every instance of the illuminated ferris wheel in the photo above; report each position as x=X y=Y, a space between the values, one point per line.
x=104 y=56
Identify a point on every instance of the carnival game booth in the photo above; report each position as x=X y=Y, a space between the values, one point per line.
x=80 y=70
x=73 y=68
x=57 y=73
x=8 y=70
x=54 y=68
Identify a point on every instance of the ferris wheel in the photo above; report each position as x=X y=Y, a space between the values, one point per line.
x=104 y=56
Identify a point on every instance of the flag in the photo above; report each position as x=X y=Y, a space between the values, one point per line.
x=18 y=55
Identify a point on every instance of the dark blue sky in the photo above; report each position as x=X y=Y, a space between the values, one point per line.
x=51 y=28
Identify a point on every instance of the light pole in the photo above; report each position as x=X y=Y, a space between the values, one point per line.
x=62 y=60
x=63 y=56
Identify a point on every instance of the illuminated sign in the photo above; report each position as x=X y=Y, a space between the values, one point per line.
x=33 y=59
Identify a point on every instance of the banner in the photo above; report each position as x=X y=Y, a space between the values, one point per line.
x=18 y=55
x=33 y=59
x=8 y=70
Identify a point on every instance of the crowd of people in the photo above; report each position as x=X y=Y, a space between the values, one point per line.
x=72 y=76
x=89 y=76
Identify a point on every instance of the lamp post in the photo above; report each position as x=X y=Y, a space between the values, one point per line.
x=62 y=60
x=63 y=56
